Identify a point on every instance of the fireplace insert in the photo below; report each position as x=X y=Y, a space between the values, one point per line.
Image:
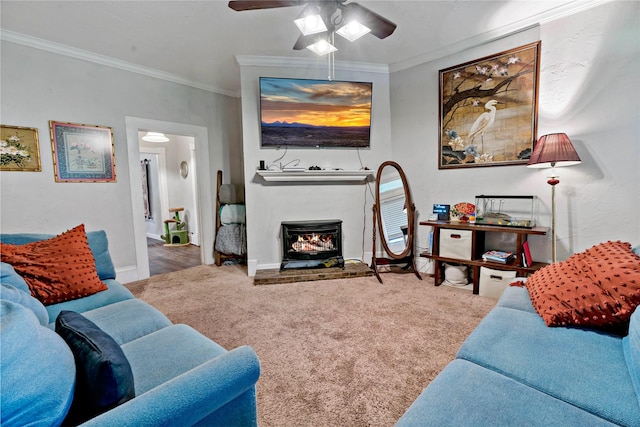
x=312 y=244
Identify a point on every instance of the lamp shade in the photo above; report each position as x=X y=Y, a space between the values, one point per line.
x=553 y=150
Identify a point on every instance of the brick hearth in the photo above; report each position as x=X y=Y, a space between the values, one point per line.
x=275 y=276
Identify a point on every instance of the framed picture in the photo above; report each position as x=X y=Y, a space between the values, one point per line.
x=82 y=153
x=19 y=149
x=489 y=109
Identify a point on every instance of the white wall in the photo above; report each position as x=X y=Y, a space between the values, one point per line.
x=38 y=86
x=269 y=204
x=589 y=89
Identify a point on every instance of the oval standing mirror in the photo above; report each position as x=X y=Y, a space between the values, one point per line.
x=394 y=216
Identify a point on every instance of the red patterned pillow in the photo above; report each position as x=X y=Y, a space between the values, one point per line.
x=58 y=269
x=599 y=287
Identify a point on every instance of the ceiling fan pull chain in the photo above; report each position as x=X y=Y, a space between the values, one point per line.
x=331 y=59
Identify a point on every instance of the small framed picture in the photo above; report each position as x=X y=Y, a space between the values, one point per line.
x=82 y=153
x=19 y=149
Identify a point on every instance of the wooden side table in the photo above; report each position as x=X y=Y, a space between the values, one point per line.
x=478 y=233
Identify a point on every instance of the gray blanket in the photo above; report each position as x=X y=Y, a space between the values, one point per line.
x=232 y=239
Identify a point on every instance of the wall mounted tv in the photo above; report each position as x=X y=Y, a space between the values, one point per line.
x=314 y=113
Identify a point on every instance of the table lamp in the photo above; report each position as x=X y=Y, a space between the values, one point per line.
x=551 y=151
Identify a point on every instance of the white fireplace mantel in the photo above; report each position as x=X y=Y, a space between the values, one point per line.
x=330 y=175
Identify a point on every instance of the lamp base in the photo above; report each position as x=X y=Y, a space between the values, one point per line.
x=553 y=181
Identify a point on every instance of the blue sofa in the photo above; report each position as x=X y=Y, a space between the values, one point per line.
x=181 y=377
x=513 y=370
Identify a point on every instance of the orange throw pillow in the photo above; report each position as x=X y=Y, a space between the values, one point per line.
x=599 y=287
x=58 y=269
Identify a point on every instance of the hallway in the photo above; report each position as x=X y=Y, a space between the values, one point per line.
x=165 y=259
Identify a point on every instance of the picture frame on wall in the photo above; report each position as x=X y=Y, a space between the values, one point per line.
x=82 y=153
x=489 y=109
x=19 y=149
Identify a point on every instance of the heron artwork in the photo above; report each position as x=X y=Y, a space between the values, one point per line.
x=483 y=122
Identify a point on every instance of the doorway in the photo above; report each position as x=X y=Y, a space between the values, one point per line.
x=199 y=160
x=169 y=182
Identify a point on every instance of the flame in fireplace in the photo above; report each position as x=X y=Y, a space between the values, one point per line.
x=313 y=243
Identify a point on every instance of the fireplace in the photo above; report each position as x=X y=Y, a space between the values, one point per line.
x=312 y=244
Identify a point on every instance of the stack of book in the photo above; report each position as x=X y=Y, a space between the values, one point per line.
x=498 y=256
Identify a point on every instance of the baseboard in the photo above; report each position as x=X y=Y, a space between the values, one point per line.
x=366 y=257
x=252 y=267
x=424 y=265
x=256 y=267
x=127 y=274
x=194 y=238
x=154 y=236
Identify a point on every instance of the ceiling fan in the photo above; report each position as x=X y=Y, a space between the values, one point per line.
x=320 y=19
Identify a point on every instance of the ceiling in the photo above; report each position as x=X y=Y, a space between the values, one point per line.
x=197 y=41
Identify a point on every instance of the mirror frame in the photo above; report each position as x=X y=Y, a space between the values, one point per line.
x=408 y=250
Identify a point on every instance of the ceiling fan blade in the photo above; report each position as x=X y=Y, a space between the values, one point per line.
x=240 y=5
x=302 y=42
x=380 y=26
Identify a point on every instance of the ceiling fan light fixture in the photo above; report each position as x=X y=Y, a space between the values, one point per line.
x=155 y=137
x=324 y=17
x=322 y=47
x=310 y=21
x=353 y=30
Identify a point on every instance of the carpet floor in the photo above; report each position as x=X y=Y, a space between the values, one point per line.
x=345 y=352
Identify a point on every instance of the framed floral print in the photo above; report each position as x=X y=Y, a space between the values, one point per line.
x=19 y=149
x=82 y=153
x=489 y=109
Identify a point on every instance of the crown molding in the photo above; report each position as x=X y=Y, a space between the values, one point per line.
x=61 y=49
x=285 y=62
x=502 y=32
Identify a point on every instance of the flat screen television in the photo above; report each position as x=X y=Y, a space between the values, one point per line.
x=315 y=113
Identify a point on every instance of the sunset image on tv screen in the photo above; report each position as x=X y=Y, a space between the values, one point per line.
x=315 y=113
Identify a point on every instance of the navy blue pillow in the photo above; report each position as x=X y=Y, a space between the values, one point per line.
x=103 y=374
